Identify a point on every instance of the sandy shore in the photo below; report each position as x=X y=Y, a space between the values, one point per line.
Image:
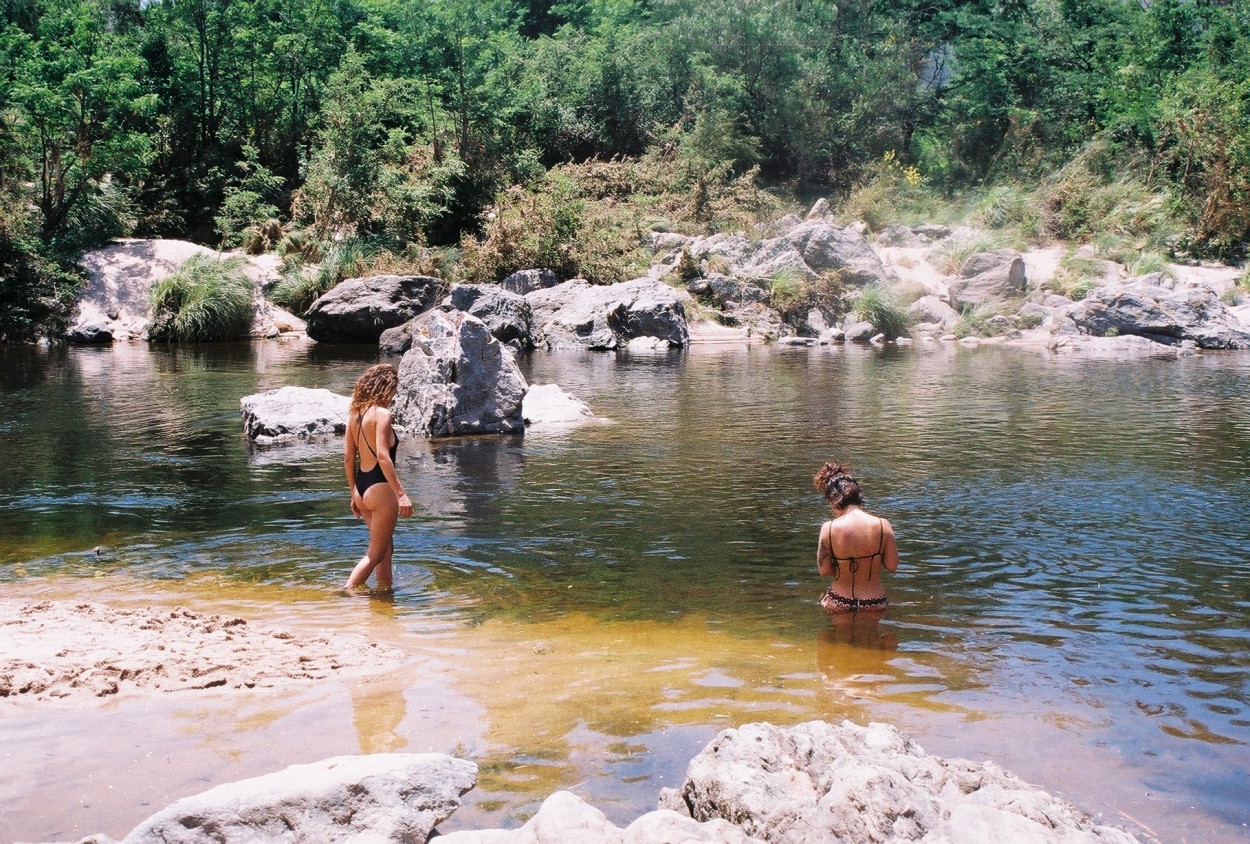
x=79 y=650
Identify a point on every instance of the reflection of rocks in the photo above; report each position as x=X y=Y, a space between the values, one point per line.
x=821 y=782
x=457 y=379
x=293 y=412
x=381 y=797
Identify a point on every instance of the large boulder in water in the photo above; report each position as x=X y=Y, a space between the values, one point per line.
x=358 y=310
x=1156 y=308
x=457 y=379
x=506 y=314
x=846 y=783
x=290 y=413
x=583 y=316
x=380 y=797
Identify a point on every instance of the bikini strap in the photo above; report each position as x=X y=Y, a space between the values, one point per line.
x=881 y=543
x=360 y=434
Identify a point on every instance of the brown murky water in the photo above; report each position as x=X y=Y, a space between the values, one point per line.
x=586 y=609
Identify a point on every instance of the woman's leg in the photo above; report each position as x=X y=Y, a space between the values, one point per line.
x=381 y=512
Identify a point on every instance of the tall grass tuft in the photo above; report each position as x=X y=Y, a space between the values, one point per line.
x=301 y=285
x=879 y=306
x=205 y=299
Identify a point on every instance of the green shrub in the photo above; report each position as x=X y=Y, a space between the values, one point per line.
x=878 y=305
x=1145 y=263
x=1077 y=274
x=787 y=290
x=1011 y=207
x=204 y=299
x=975 y=322
x=892 y=192
x=301 y=284
x=1029 y=320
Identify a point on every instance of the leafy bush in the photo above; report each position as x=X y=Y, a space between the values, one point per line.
x=878 y=305
x=891 y=193
x=247 y=216
x=1011 y=207
x=204 y=299
x=792 y=294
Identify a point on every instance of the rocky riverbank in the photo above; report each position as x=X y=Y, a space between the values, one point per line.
x=794 y=281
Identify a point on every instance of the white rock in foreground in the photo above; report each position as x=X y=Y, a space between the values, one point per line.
x=565 y=818
x=382 y=797
x=845 y=783
x=289 y=413
x=549 y=404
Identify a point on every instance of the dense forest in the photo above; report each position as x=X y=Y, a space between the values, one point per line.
x=499 y=132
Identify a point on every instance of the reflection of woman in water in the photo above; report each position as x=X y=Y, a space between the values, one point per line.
x=854 y=546
x=377 y=495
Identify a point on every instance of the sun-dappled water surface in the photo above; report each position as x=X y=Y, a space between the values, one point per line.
x=585 y=609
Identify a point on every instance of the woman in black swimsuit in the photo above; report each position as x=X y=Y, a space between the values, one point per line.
x=377 y=495
x=854 y=546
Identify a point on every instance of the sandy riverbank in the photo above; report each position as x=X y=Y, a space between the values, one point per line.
x=73 y=650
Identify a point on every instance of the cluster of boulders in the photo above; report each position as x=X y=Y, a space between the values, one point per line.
x=530 y=309
x=759 y=783
x=790 y=281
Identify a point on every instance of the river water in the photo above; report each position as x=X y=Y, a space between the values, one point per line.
x=586 y=608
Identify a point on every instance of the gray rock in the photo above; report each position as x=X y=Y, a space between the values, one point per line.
x=608 y=317
x=506 y=314
x=799 y=342
x=827 y=247
x=457 y=379
x=859 y=331
x=988 y=277
x=549 y=405
x=932 y=231
x=90 y=333
x=527 y=281
x=901 y=236
x=819 y=210
x=759 y=319
x=1144 y=307
x=846 y=783
x=723 y=289
x=667 y=241
x=376 y=798
x=931 y=309
x=291 y=413
x=358 y=310
x=544 y=303
x=565 y=818
x=1111 y=348
x=983 y=262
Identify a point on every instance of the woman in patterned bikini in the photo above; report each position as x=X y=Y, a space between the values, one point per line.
x=854 y=546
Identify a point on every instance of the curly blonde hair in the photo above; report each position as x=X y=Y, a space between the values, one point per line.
x=375 y=388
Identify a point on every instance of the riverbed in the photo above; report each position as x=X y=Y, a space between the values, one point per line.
x=585 y=608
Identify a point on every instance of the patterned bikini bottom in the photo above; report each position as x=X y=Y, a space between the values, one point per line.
x=831 y=600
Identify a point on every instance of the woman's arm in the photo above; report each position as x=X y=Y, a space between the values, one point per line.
x=890 y=551
x=824 y=552
x=349 y=463
x=383 y=436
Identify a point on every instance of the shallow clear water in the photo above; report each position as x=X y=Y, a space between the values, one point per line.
x=586 y=608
